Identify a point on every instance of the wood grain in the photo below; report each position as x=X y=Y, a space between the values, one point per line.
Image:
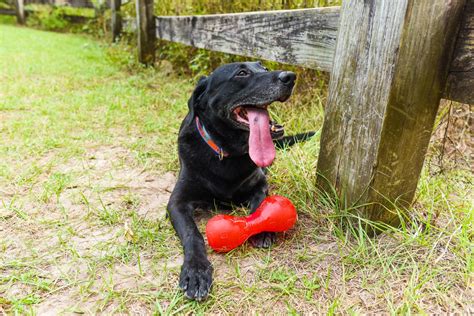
x=460 y=85
x=146 y=31
x=7 y=12
x=383 y=97
x=20 y=11
x=301 y=37
x=115 y=19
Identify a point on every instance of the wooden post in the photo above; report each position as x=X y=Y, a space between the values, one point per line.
x=460 y=85
x=116 y=19
x=390 y=67
x=146 y=27
x=20 y=11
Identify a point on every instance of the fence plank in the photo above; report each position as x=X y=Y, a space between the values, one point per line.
x=387 y=80
x=116 y=19
x=20 y=11
x=7 y=12
x=304 y=37
x=146 y=31
x=460 y=86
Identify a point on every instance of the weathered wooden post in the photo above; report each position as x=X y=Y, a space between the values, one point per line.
x=390 y=68
x=460 y=85
x=146 y=27
x=116 y=19
x=20 y=11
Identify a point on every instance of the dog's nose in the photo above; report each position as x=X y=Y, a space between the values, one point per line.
x=287 y=77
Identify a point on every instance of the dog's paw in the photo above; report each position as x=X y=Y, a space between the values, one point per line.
x=263 y=240
x=196 y=279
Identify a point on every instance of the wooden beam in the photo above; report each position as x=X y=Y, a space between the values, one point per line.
x=146 y=31
x=7 y=12
x=460 y=86
x=389 y=72
x=76 y=18
x=116 y=19
x=301 y=37
x=20 y=11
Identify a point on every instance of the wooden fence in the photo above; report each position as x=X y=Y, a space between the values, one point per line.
x=116 y=20
x=390 y=61
x=21 y=12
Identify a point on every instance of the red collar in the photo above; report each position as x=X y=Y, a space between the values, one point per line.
x=207 y=138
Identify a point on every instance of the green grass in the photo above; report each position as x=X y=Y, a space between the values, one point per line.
x=87 y=161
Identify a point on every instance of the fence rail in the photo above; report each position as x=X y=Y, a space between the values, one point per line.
x=71 y=3
x=304 y=37
x=21 y=12
x=7 y=12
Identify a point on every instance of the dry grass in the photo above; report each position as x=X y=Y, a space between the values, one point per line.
x=87 y=162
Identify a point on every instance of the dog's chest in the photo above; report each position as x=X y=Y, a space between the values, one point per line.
x=230 y=187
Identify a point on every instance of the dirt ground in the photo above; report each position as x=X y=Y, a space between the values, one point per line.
x=105 y=170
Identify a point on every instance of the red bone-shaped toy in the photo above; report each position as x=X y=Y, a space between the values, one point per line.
x=275 y=214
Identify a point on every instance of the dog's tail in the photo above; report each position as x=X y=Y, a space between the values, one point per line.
x=290 y=140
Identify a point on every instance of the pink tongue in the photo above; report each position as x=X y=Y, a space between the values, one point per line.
x=261 y=149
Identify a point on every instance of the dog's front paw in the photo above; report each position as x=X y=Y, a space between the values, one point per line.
x=196 y=279
x=263 y=240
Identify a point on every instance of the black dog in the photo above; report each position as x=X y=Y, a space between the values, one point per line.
x=224 y=142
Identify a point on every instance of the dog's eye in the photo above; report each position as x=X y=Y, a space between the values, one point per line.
x=242 y=73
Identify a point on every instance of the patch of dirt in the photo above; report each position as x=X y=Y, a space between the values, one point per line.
x=452 y=142
x=59 y=236
x=108 y=175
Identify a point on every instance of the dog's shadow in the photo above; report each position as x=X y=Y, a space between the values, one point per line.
x=202 y=215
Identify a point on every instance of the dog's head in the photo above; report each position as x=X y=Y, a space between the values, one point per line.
x=233 y=101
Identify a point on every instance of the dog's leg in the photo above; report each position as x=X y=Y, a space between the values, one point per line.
x=196 y=273
x=265 y=239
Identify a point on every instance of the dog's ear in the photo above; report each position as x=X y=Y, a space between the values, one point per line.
x=193 y=102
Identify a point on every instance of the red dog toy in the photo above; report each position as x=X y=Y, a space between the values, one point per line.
x=275 y=214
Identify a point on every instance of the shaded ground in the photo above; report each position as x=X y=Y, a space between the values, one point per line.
x=87 y=162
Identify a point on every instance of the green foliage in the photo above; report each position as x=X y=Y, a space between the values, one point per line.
x=48 y=18
x=7 y=19
x=4 y=4
x=63 y=19
x=123 y=55
x=189 y=7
